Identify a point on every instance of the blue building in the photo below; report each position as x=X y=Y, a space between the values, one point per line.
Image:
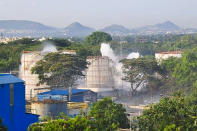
x=78 y=95
x=12 y=108
x=54 y=102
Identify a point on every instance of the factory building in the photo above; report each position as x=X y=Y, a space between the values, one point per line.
x=53 y=102
x=99 y=76
x=165 y=55
x=12 y=99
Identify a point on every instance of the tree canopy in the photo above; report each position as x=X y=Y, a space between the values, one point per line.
x=109 y=115
x=142 y=72
x=104 y=115
x=183 y=70
x=57 y=69
x=79 y=123
x=170 y=114
x=97 y=38
x=10 y=54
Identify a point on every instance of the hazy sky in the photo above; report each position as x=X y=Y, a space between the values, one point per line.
x=99 y=13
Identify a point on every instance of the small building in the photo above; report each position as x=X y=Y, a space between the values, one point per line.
x=12 y=99
x=54 y=102
x=78 y=95
x=165 y=55
x=69 y=52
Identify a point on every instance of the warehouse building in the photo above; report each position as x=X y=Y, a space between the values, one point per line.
x=54 y=102
x=12 y=99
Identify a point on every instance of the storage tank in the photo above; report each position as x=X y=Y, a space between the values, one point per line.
x=28 y=60
x=50 y=108
x=99 y=74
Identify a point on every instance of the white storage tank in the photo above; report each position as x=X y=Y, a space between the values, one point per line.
x=99 y=74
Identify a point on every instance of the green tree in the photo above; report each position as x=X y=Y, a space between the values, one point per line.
x=108 y=115
x=171 y=113
x=192 y=100
x=57 y=69
x=97 y=38
x=142 y=72
x=10 y=53
x=183 y=70
x=79 y=123
x=60 y=42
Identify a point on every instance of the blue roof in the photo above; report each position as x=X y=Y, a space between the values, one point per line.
x=63 y=92
x=8 y=78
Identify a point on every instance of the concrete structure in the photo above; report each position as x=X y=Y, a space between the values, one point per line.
x=165 y=55
x=53 y=102
x=49 y=108
x=28 y=60
x=12 y=99
x=99 y=76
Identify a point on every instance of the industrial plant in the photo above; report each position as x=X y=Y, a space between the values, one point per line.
x=102 y=78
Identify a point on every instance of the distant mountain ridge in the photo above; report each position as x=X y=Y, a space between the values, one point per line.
x=161 y=28
x=166 y=26
x=116 y=30
x=23 y=25
x=78 y=30
x=23 y=28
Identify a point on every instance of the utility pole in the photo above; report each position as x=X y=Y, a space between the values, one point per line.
x=70 y=94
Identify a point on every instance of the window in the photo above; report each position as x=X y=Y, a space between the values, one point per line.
x=11 y=94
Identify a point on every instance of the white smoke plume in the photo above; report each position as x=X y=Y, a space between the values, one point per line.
x=49 y=47
x=133 y=55
x=107 y=51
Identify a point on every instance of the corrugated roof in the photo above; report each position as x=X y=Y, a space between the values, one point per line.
x=8 y=78
x=63 y=92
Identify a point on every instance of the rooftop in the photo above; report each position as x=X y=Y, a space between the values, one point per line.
x=9 y=78
x=63 y=92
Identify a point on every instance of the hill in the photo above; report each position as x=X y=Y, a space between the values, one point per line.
x=78 y=30
x=116 y=30
x=161 y=28
x=23 y=25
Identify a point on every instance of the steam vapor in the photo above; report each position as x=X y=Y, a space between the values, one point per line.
x=49 y=47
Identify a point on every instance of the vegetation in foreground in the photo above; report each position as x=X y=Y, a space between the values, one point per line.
x=172 y=113
x=176 y=112
x=104 y=115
